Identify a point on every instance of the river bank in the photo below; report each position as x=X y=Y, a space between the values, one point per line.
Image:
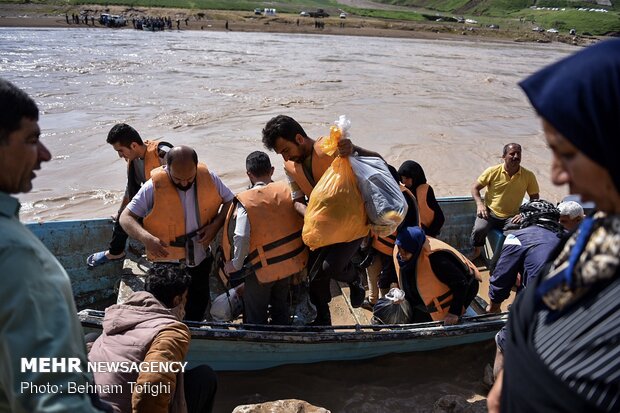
x=37 y=15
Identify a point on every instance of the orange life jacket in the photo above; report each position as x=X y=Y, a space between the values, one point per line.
x=166 y=220
x=320 y=162
x=385 y=245
x=151 y=158
x=276 y=247
x=436 y=295
x=427 y=215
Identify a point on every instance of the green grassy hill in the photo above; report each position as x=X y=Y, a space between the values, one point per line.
x=513 y=13
x=508 y=14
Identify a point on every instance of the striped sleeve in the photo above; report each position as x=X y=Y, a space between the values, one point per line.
x=582 y=347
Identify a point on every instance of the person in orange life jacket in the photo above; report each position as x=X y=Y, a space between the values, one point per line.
x=446 y=269
x=506 y=184
x=431 y=215
x=380 y=269
x=142 y=157
x=147 y=328
x=304 y=164
x=266 y=286
x=185 y=196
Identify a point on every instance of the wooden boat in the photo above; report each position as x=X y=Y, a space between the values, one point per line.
x=234 y=346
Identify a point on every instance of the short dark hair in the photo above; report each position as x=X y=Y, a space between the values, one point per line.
x=15 y=104
x=258 y=163
x=124 y=134
x=166 y=281
x=508 y=146
x=281 y=126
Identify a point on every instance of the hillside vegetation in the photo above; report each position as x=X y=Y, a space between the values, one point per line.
x=516 y=15
x=513 y=13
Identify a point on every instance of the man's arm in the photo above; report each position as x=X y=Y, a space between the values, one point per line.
x=133 y=228
x=208 y=233
x=241 y=241
x=300 y=206
x=346 y=148
x=481 y=209
x=38 y=320
x=170 y=345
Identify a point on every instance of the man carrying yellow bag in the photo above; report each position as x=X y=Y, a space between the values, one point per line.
x=335 y=235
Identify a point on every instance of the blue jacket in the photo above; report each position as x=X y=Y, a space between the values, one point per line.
x=525 y=251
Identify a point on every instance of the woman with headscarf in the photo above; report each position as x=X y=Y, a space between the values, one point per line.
x=562 y=351
x=431 y=215
x=438 y=281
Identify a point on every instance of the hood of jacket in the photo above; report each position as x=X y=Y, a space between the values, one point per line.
x=141 y=308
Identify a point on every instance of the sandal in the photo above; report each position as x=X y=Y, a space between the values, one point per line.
x=99 y=258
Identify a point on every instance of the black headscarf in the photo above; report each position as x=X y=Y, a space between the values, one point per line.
x=580 y=97
x=543 y=214
x=413 y=170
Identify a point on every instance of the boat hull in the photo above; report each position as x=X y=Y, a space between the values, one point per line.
x=239 y=347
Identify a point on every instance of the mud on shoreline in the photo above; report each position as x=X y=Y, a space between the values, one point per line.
x=36 y=15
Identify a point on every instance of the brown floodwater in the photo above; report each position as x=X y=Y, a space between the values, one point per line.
x=450 y=105
x=410 y=383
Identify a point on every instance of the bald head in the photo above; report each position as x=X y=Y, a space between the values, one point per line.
x=182 y=163
x=182 y=154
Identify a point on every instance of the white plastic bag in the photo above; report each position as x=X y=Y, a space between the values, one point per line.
x=392 y=309
x=227 y=306
x=385 y=203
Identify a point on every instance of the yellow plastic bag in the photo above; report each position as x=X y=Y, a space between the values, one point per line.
x=335 y=210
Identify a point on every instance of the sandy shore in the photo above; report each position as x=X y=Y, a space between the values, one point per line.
x=33 y=15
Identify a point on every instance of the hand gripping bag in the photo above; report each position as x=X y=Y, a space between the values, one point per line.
x=392 y=309
x=385 y=203
x=335 y=211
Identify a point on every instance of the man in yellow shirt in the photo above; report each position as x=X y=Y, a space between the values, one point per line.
x=505 y=184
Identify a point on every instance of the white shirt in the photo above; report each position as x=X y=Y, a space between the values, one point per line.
x=142 y=204
x=241 y=237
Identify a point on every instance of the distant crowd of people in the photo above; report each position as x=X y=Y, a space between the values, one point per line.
x=558 y=351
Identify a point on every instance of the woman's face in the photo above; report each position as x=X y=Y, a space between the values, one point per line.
x=583 y=176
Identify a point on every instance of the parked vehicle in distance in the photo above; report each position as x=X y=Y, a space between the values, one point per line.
x=258 y=12
x=553 y=31
x=343 y=15
x=318 y=13
x=110 y=20
x=304 y=14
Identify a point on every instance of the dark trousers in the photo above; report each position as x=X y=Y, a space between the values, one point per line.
x=119 y=238
x=257 y=297
x=198 y=296
x=387 y=276
x=327 y=263
x=200 y=388
x=483 y=226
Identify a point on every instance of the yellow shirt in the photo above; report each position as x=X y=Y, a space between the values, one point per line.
x=505 y=193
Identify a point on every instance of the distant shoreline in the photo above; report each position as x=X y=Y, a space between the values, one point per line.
x=38 y=16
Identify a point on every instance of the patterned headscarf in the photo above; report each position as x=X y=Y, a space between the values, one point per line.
x=541 y=213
